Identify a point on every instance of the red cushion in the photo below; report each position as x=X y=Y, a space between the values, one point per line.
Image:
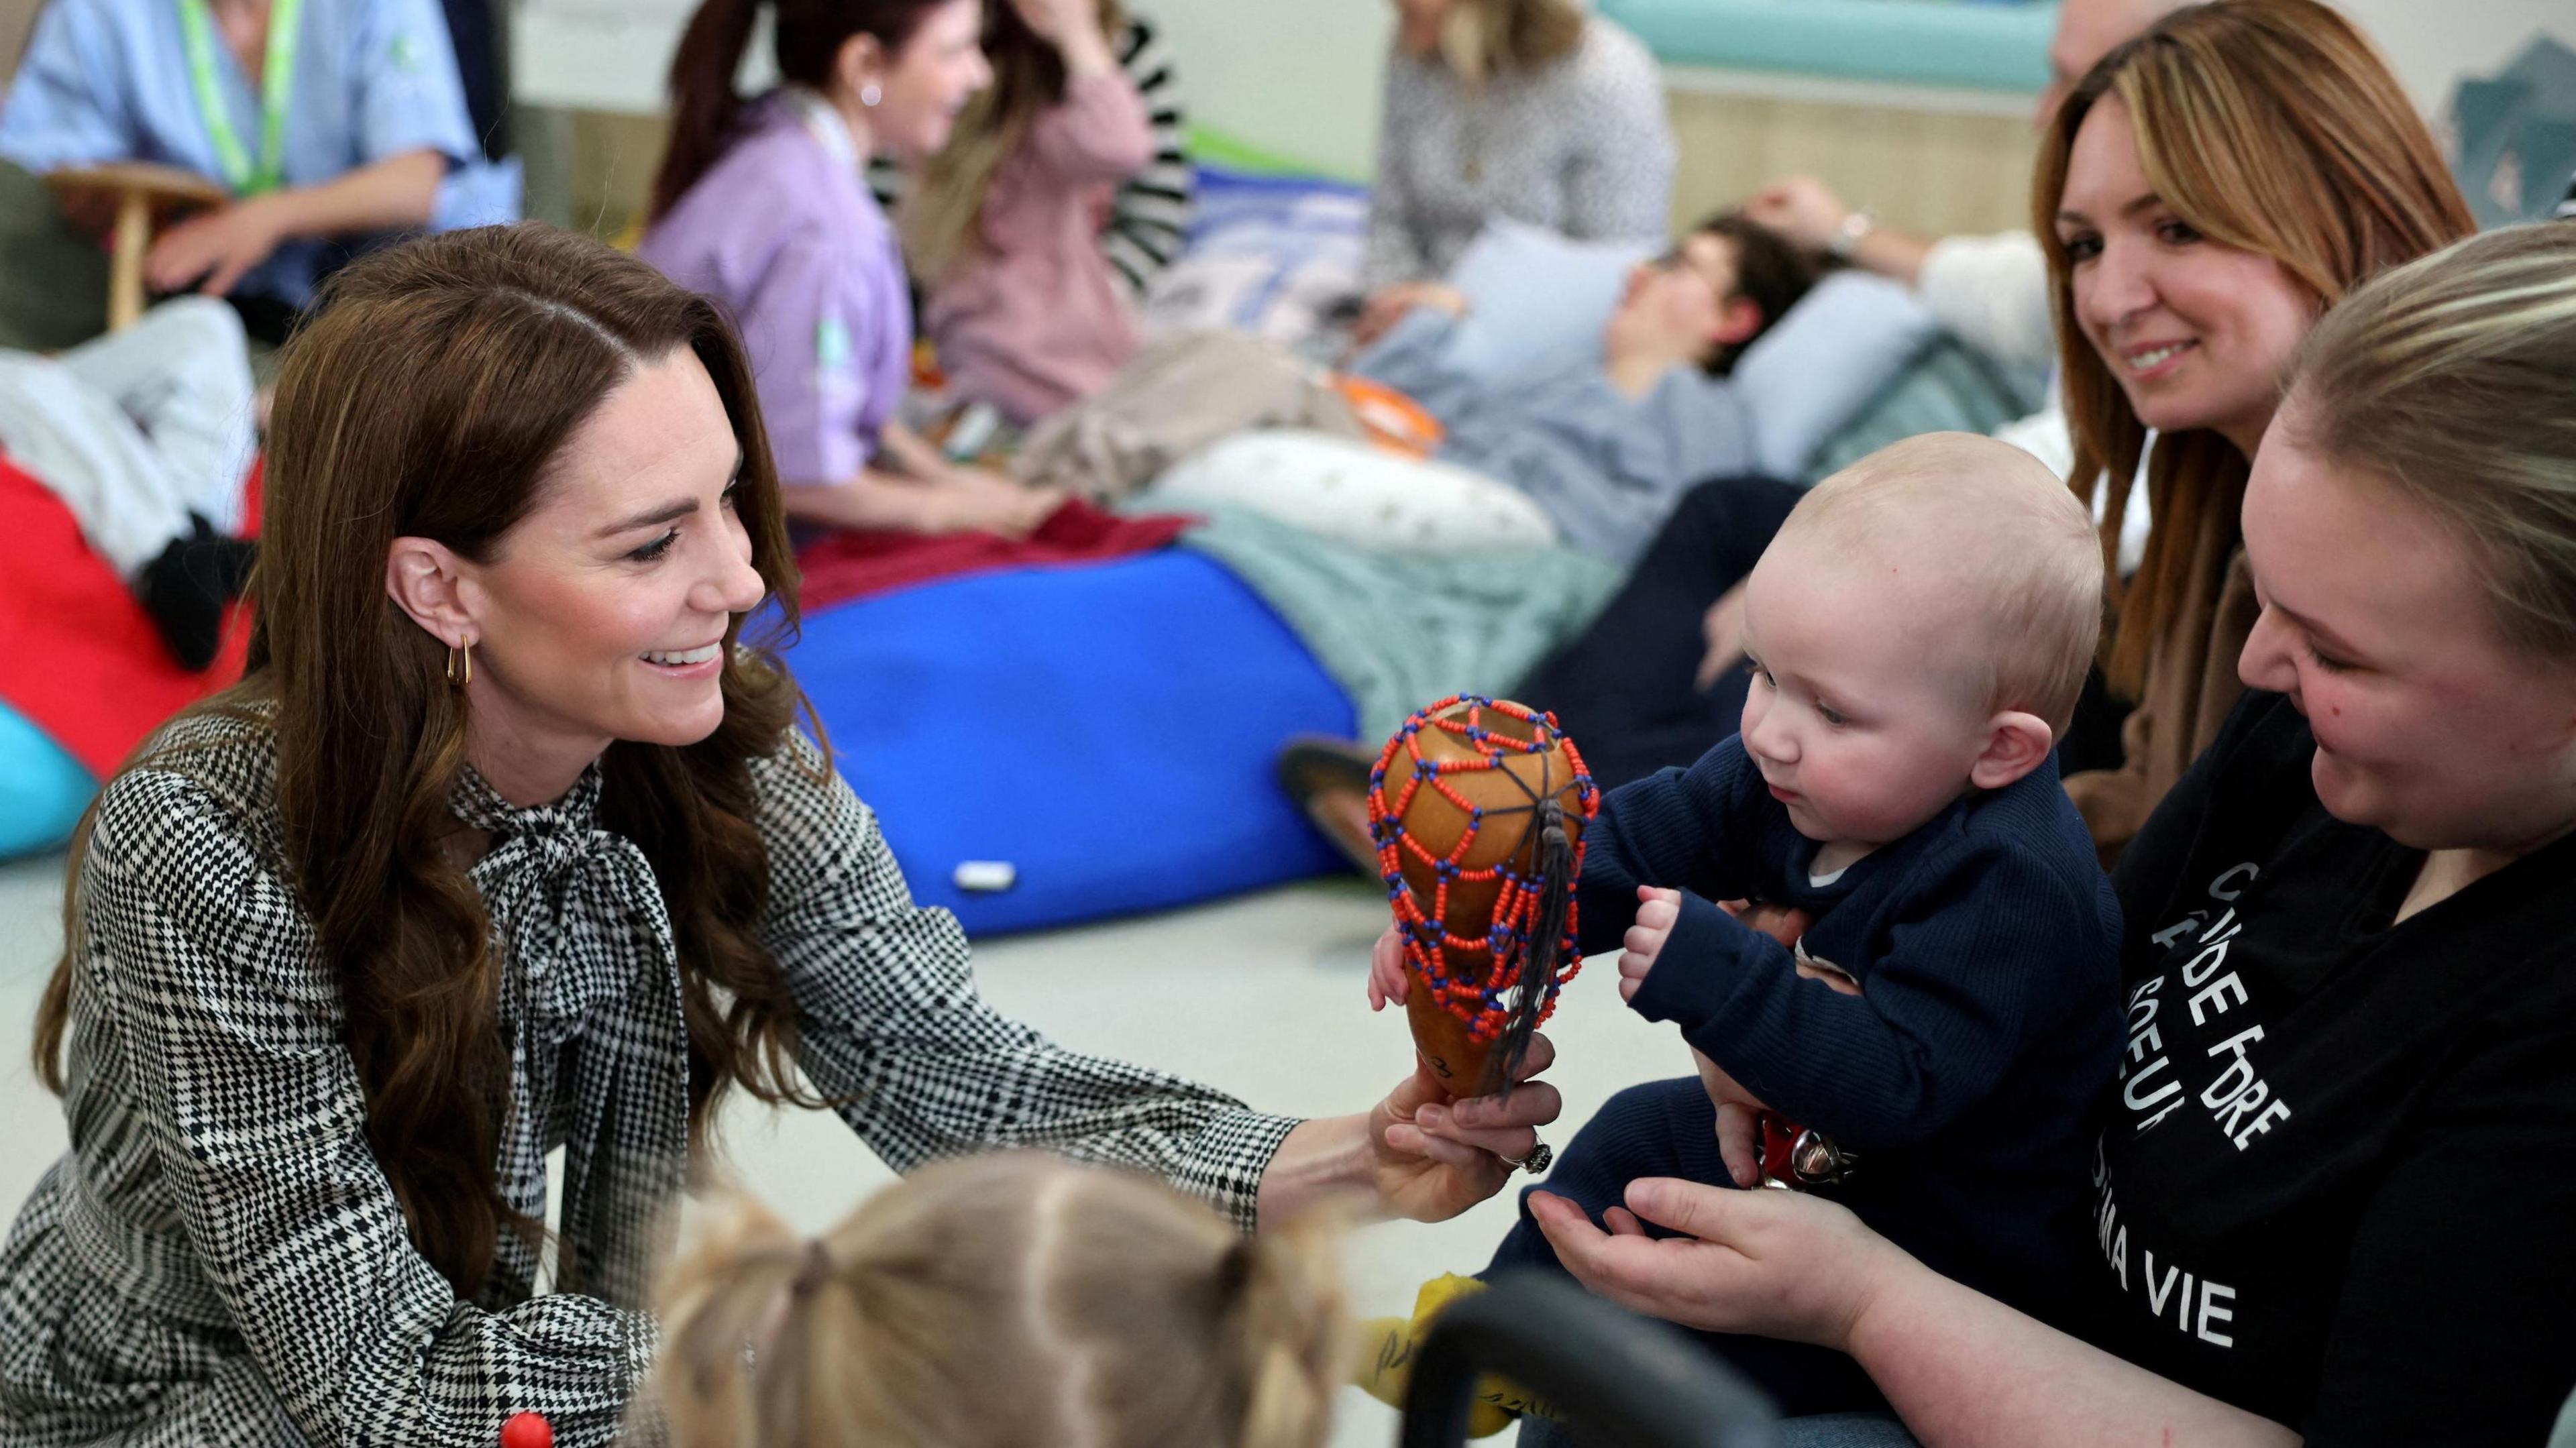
x=78 y=656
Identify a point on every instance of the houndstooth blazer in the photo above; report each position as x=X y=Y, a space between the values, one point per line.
x=218 y=1258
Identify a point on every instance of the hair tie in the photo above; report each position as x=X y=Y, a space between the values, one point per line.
x=817 y=1269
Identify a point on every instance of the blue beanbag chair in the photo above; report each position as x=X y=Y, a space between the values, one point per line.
x=1106 y=730
x=42 y=789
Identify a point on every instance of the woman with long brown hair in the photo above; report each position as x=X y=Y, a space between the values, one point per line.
x=2202 y=196
x=1003 y=225
x=507 y=843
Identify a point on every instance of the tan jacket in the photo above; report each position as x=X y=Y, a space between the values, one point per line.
x=2190 y=686
x=1178 y=395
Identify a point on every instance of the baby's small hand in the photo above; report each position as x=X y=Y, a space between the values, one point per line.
x=1388 y=984
x=1740 y=1150
x=1656 y=912
x=1782 y=923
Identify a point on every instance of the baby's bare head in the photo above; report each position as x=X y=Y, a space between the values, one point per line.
x=1975 y=546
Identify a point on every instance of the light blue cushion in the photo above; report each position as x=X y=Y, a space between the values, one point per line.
x=42 y=789
x=1840 y=347
x=1538 y=298
x=1993 y=47
x=1952 y=387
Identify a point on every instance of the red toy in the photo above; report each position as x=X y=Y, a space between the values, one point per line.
x=1796 y=1157
x=527 y=1430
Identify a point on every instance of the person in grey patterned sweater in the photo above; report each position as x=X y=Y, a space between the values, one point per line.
x=507 y=844
x=1527 y=109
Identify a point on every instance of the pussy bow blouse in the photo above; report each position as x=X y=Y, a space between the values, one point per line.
x=219 y=1259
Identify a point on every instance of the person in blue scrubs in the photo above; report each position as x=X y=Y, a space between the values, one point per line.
x=326 y=119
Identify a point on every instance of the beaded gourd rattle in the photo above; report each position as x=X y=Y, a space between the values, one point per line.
x=1477 y=809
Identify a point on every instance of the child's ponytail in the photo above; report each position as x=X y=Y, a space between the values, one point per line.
x=1286 y=1331
x=1006 y=1299
x=704 y=108
x=809 y=34
x=759 y=1329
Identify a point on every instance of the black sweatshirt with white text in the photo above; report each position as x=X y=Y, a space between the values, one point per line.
x=2336 y=1185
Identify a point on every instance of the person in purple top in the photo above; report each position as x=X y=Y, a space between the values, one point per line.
x=763 y=205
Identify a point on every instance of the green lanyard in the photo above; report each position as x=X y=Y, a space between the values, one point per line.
x=277 y=84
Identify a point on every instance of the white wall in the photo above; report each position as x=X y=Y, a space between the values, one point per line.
x=2433 y=43
x=1300 y=77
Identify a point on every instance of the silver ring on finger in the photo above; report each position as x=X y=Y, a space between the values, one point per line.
x=1539 y=1158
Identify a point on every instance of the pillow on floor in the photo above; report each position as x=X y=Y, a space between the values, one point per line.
x=1537 y=298
x=1354 y=492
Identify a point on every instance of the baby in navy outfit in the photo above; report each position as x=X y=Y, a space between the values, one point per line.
x=1918 y=633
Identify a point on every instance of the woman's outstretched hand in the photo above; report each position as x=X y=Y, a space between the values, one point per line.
x=1432 y=1157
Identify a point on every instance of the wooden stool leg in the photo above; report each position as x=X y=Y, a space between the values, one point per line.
x=125 y=280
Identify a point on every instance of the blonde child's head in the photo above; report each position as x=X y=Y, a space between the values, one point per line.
x=1002 y=1301
x=1920 y=627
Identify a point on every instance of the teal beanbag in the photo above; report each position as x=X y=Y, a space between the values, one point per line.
x=42 y=789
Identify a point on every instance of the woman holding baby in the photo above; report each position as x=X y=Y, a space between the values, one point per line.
x=2334 y=1172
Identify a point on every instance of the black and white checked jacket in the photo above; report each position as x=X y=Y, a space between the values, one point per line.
x=218 y=1258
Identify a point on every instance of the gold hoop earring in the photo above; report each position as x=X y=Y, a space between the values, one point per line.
x=460 y=664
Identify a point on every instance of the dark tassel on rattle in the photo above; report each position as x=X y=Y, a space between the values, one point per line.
x=1554 y=873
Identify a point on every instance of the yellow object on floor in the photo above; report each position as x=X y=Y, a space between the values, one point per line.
x=1388 y=1345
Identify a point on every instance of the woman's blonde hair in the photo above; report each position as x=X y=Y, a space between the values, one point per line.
x=1000 y=1301
x=1480 y=39
x=942 y=217
x=2455 y=379
x=2273 y=127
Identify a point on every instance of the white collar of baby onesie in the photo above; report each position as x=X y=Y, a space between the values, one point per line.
x=823 y=123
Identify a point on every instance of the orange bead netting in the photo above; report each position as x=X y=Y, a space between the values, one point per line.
x=1427 y=938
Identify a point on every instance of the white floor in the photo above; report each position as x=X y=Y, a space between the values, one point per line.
x=1261 y=996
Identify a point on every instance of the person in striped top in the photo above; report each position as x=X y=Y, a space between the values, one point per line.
x=1065 y=188
x=1149 y=219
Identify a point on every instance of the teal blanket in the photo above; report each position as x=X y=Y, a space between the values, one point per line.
x=1401 y=630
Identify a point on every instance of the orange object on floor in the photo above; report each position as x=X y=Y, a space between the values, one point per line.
x=1394 y=420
